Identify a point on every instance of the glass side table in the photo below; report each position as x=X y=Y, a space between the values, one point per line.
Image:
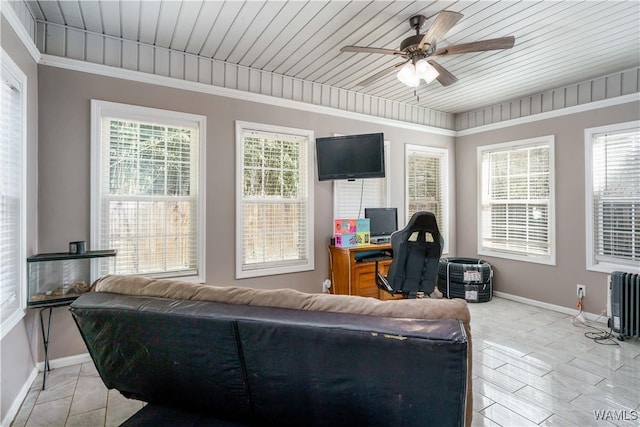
x=56 y=280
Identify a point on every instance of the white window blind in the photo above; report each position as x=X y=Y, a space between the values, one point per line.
x=614 y=196
x=350 y=198
x=516 y=212
x=12 y=197
x=274 y=200
x=427 y=184
x=149 y=195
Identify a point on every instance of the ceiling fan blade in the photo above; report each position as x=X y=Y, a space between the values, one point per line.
x=443 y=23
x=479 y=46
x=365 y=49
x=380 y=74
x=445 y=78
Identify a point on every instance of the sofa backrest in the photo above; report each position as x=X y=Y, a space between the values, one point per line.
x=425 y=308
x=268 y=365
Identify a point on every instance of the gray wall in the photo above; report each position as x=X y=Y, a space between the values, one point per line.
x=16 y=360
x=64 y=124
x=550 y=284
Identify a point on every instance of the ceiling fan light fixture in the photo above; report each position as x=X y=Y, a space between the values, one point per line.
x=417 y=48
x=408 y=76
x=414 y=81
x=411 y=74
x=426 y=71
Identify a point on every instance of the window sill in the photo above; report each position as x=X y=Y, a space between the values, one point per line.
x=610 y=268
x=273 y=271
x=189 y=279
x=514 y=257
x=8 y=325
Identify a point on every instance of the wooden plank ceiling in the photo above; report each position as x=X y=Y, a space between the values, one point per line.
x=557 y=42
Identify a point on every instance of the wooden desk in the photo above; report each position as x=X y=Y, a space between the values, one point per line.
x=349 y=277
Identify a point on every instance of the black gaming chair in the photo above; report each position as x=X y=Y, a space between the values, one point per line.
x=416 y=254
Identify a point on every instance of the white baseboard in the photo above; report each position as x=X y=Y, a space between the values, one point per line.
x=17 y=402
x=565 y=310
x=66 y=361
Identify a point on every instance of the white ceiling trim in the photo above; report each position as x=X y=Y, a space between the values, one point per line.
x=21 y=32
x=107 y=71
x=594 y=105
x=67 y=42
x=120 y=73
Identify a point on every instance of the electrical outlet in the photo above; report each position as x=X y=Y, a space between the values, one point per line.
x=325 y=286
x=581 y=291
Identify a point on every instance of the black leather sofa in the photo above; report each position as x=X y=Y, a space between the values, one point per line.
x=211 y=363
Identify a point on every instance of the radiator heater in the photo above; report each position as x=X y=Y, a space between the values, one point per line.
x=624 y=291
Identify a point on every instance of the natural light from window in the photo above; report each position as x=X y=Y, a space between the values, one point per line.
x=274 y=193
x=147 y=190
x=516 y=208
x=612 y=184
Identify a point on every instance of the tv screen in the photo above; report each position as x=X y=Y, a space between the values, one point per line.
x=350 y=156
x=382 y=221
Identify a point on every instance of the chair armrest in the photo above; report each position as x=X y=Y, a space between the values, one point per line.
x=382 y=282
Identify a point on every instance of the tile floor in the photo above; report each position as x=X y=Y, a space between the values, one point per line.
x=75 y=396
x=531 y=366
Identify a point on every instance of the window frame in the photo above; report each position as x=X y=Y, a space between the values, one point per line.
x=548 y=140
x=285 y=266
x=443 y=225
x=591 y=263
x=101 y=108
x=19 y=312
x=361 y=182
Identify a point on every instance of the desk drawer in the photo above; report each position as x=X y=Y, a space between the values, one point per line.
x=364 y=278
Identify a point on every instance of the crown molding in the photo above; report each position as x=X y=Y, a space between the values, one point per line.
x=20 y=31
x=120 y=73
x=623 y=99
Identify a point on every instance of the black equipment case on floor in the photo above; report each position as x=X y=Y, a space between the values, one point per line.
x=467 y=278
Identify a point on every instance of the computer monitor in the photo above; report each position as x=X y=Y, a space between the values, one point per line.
x=382 y=222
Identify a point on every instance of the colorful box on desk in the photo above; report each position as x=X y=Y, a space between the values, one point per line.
x=351 y=226
x=351 y=232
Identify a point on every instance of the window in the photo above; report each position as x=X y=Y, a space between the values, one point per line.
x=351 y=197
x=427 y=185
x=13 y=143
x=148 y=189
x=274 y=196
x=613 y=197
x=516 y=203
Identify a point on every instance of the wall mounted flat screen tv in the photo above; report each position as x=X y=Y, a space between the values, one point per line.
x=350 y=156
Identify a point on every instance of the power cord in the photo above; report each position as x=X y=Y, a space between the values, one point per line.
x=361 y=194
x=580 y=316
x=602 y=337
x=598 y=335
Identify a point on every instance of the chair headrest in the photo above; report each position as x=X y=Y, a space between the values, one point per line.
x=423 y=220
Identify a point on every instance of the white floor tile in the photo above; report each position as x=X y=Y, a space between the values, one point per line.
x=92 y=418
x=511 y=401
x=498 y=378
x=558 y=407
x=506 y=417
x=50 y=413
x=90 y=395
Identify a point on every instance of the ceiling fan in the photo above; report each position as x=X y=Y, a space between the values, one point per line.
x=417 y=49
